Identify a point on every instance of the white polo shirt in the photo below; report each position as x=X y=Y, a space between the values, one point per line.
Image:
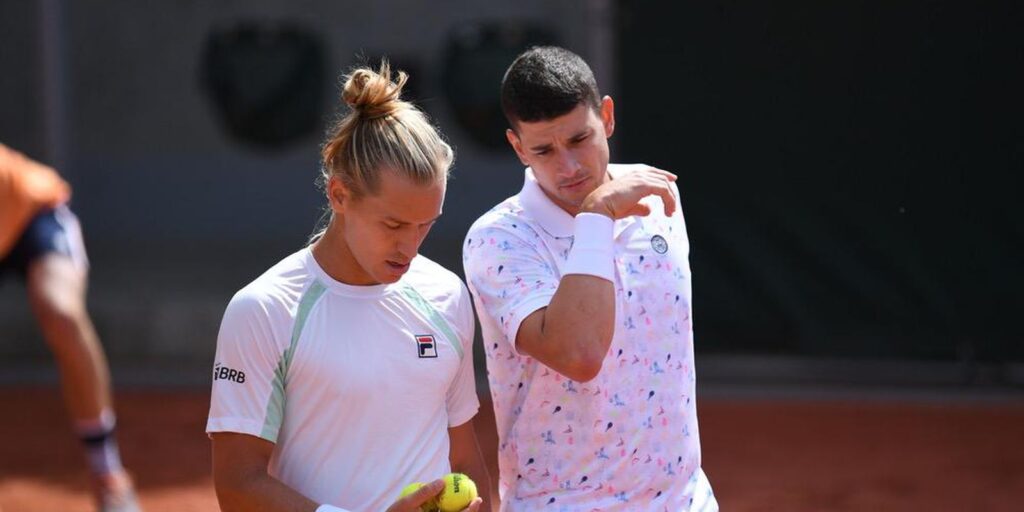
x=355 y=385
x=628 y=439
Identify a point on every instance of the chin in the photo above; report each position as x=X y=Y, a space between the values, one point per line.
x=387 y=278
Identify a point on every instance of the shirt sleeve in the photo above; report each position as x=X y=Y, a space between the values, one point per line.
x=248 y=394
x=509 y=275
x=462 y=400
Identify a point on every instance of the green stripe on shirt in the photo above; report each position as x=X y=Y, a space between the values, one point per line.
x=275 y=405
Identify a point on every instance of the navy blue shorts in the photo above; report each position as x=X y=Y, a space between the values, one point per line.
x=53 y=231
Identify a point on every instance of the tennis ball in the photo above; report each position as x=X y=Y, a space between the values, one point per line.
x=458 y=491
x=430 y=506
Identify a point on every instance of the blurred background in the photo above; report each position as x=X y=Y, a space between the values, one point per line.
x=850 y=174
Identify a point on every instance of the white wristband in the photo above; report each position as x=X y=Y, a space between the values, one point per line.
x=592 y=248
x=331 y=508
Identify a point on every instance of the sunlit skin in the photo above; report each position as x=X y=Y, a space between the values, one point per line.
x=372 y=239
x=568 y=154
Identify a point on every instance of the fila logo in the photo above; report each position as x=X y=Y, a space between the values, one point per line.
x=426 y=346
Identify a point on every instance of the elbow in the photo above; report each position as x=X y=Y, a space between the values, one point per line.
x=233 y=490
x=585 y=369
x=588 y=360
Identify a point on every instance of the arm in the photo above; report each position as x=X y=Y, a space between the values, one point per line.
x=241 y=480
x=242 y=483
x=572 y=334
x=465 y=457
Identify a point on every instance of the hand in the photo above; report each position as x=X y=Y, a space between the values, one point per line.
x=412 y=502
x=474 y=506
x=621 y=197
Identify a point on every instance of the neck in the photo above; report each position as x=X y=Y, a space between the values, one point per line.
x=335 y=257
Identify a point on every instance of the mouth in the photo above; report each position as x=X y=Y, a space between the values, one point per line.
x=575 y=184
x=398 y=268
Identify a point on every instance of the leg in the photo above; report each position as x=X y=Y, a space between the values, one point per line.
x=56 y=289
x=56 y=277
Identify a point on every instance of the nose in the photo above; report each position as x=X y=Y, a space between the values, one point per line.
x=570 y=165
x=410 y=240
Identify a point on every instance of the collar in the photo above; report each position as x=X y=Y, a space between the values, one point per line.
x=551 y=217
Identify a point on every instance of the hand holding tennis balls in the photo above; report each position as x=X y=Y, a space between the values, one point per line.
x=459 y=492
x=455 y=492
x=418 y=497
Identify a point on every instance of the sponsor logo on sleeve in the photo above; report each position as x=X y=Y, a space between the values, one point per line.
x=221 y=372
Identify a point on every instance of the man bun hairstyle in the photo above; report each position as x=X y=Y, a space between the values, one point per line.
x=381 y=132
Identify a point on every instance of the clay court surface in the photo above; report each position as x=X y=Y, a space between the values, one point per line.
x=772 y=455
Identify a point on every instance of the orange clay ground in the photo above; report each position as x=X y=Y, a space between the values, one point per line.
x=771 y=455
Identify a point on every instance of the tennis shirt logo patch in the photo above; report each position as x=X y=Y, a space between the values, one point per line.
x=659 y=244
x=426 y=346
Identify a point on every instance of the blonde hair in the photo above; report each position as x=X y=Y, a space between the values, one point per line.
x=382 y=132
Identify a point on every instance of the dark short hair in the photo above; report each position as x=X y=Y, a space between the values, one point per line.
x=546 y=82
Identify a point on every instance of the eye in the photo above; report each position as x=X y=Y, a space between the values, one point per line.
x=392 y=226
x=580 y=139
x=542 y=152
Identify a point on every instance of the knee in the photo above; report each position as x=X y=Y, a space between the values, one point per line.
x=58 y=310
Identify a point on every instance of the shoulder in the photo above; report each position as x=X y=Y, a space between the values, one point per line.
x=440 y=287
x=275 y=293
x=506 y=226
x=507 y=215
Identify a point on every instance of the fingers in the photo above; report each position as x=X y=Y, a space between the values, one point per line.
x=412 y=502
x=665 y=174
x=668 y=198
x=474 y=506
x=662 y=185
x=623 y=197
x=639 y=209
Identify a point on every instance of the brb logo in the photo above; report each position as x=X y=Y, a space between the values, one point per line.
x=225 y=373
x=426 y=345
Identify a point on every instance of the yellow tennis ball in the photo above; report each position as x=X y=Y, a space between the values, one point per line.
x=430 y=506
x=458 y=491
x=409 y=489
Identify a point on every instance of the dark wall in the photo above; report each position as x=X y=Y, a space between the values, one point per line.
x=20 y=78
x=850 y=171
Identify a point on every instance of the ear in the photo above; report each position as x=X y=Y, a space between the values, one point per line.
x=608 y=115
x=338 y=195
x=517 y=145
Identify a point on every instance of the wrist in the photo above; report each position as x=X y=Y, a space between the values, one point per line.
x=595 y=206
x=592 y=248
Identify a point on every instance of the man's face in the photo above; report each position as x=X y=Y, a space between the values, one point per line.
x=568 y=154
x=383 y=231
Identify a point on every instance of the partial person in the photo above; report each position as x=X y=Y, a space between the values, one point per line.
x=41 y=243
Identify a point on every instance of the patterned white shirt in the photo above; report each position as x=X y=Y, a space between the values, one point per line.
x=628 y=439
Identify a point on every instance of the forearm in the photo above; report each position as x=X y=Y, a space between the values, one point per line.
x=573 y=333
x=260 y=492
x=579 y=322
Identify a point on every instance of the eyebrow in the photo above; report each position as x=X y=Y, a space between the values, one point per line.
x=402 y=222
x=578 y=135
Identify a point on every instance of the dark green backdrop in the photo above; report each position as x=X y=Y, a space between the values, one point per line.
x=850 y=171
